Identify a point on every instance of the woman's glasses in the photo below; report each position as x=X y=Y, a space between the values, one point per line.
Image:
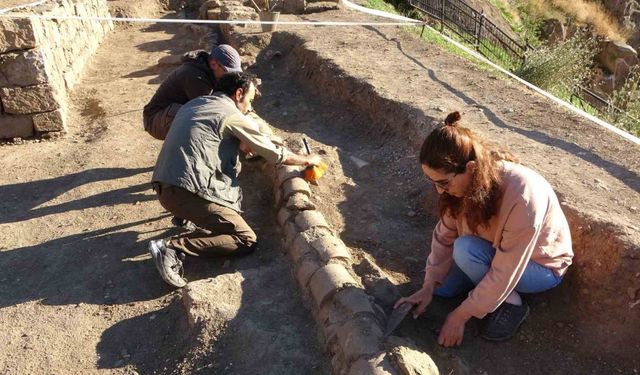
x=443 y=184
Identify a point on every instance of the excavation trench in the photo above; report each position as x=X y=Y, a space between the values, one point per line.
x=379 y=204
x=72 y=210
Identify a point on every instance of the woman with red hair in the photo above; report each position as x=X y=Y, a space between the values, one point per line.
x=501 y=232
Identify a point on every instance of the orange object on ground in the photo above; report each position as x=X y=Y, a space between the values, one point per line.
x=313 y=172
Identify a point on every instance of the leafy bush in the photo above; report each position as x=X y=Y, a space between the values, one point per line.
x=560 y=69
x=626 y=99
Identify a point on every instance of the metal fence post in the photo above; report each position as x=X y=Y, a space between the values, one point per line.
x=442 y=16
x=479 y=30
x=523 y=59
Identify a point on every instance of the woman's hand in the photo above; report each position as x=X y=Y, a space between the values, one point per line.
x=452 y=330
x=422 y=298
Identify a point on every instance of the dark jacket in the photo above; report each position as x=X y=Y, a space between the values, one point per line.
x=199 y=156
x=191 y=79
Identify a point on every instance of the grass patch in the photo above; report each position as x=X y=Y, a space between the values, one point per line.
x=560 y=68
x=381 y=5
x=627 y=99
x=509 y=15
x=428 y=35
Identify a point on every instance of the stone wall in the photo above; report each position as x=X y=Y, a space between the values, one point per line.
x=40 y=60
x=351 y=324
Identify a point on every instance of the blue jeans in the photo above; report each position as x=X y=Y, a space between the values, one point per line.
x=473 y=255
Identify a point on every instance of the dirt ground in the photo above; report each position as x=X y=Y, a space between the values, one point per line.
x=81 y=295
x=381 y=214
x=78 y=292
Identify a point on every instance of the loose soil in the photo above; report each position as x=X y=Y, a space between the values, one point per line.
x=78 y=292
x=81 y=295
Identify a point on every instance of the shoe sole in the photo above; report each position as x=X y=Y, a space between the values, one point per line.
x=514 y=331
x=156 y=254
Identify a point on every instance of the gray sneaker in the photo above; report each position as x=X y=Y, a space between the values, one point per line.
x=167 y=262
x=503 y=323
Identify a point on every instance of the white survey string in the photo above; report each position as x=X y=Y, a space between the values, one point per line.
x=232 y=22
x=35 y=3
x=477 y=55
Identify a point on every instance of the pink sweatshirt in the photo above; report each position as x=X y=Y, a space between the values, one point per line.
x=529 y=226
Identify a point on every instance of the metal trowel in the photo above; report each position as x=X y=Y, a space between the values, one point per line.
x=396 y=317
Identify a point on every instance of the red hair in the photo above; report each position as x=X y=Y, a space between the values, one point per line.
x=449 y=148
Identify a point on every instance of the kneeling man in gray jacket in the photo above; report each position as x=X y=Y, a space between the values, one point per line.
x=196 y=175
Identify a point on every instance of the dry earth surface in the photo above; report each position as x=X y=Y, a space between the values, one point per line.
x=80 y=295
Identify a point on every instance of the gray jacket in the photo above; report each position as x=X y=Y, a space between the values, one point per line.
x=198 y=156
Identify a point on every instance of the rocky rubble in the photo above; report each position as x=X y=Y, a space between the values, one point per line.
x=628 y=13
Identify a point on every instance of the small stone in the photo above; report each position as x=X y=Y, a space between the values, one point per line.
x=359 y=337
x=328 y=280
x=330 y=247
x=358 y=162
x=15 y=127
x=17 y=34
x=380 y=365
x=305 y=271
x=31 y=99
x=309 y=219
x=293 y=186
x=560 y=325
x=411 y=213
x=300 y=202
x=632 y=292
x=25 y=68
x=300 y=248
x=287 y=172
x=49 y=121
x=353 y=301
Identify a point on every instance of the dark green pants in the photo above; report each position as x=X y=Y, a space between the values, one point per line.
x=158 y=124
x=230 y=233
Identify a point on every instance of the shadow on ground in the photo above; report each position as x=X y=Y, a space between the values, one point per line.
x=94 y=267
x=255 y=322
x=24 y=201
x=184 y=38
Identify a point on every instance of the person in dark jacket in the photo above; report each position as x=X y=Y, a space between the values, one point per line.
x=196 y=174
x=197 y=76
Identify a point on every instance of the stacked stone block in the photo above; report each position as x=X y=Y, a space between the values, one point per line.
x=351 y=323
x=212 y=9
x=228 y=10
x=41 y=59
